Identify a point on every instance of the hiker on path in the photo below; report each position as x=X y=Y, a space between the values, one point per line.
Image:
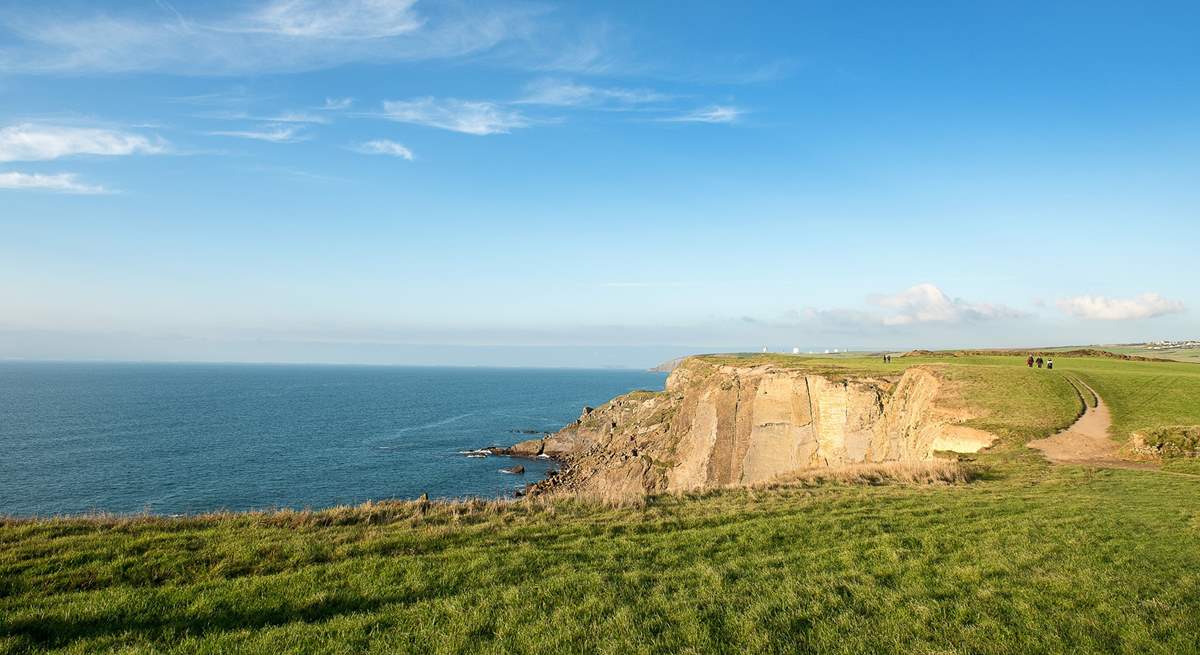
x=1049 y=364
x=1030 y=361
x=1040 y=361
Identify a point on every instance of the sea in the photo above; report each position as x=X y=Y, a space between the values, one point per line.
x=173 y=439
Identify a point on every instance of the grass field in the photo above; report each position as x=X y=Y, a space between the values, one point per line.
x=1179 y=354
x=1051 y=560
x=1029 y=558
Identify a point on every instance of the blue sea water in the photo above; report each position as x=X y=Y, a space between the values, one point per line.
x=187 y=438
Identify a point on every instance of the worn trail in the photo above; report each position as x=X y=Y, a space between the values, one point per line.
x=1086 y=441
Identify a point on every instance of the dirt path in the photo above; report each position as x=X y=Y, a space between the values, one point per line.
x=1086 y=441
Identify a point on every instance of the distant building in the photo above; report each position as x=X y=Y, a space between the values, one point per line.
x=795 y=351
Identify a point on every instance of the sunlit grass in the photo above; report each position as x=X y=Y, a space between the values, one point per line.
x=1045 y=561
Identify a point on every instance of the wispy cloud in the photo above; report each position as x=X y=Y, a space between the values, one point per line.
x=282 y=117
x=297 y=117
x=1147 y=305
x=270 y=36
x=712 y=114
x=384 y=147
x=345 y=19
x=925 y=303
x=642 y=285
x=278 y=134
x=57 y=182
x=337 y=104
x=466 y=116
x=565 y=93
x=29 y=142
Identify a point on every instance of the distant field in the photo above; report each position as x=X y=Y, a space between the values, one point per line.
x=1178 y=354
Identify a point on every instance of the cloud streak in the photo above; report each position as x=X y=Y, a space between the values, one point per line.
x=384 y=147
x=271 y=36
x=475 y=117
x=565 y=93
x=28 y=142
x=281 y=134
x=58 y=183
x=1101 y=308
x=712 y=114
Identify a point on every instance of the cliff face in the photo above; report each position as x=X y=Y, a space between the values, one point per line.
x=718 y=426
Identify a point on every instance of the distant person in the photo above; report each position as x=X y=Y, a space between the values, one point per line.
x=1040 y=361
x=1049 y=364
x=1030 y=361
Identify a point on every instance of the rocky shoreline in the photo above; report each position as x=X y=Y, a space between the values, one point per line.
x=718 y=425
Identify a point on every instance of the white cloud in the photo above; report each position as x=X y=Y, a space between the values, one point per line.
x=343 y=19
x=280 y=134
x=926 y=303
x=337 y=104
x=271 y=36
x=466 y=116
x=1147 y=305
x=297 y=117
x=384 y=147
x=27 y=142
x=58 y=182
x=565 y=93
x=713 y=114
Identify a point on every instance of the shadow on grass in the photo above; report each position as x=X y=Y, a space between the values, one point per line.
x=57 y=632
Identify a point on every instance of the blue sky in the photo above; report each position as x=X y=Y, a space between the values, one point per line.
x=387 y=181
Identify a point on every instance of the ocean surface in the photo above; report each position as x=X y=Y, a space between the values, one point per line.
x=188 y=438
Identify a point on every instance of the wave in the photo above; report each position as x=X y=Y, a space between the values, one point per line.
x=435 y=423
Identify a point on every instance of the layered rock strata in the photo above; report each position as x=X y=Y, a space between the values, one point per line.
x=719 y=425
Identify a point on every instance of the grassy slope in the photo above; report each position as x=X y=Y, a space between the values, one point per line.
x=1031 y=559
x=1046 y=561
x=1143 y=394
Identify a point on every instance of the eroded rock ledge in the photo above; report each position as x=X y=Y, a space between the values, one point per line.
x=719 y=425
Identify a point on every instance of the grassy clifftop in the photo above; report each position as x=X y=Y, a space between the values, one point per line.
x=1026 y=403
x=1030 y=558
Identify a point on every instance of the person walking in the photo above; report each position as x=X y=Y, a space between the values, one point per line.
x=1030 y=361
x=1049 y=364
x=1040 y=361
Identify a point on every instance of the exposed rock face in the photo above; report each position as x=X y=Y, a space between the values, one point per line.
x=726 y=425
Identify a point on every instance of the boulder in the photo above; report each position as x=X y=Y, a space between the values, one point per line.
x=514 y=470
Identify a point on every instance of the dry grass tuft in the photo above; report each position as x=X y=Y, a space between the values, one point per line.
x=937 y=471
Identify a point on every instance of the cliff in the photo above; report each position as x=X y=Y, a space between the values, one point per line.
x=720 y=425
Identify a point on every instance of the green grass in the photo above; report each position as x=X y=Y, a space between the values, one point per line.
x=1040 y=562
x=1180 y=354
x=1030 y=558
x=1142 y=395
